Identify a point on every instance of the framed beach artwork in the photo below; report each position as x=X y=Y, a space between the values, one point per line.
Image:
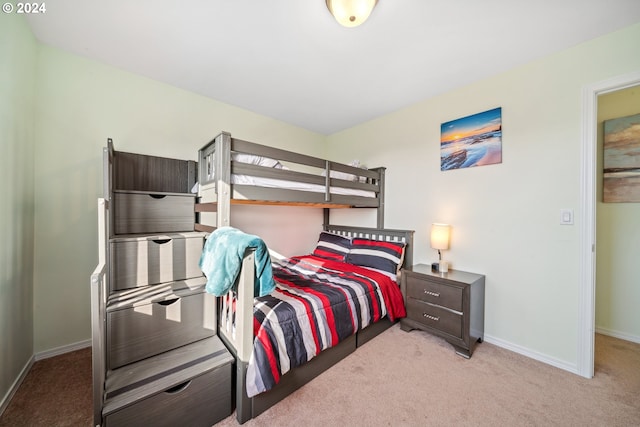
x=621 y=160
x=471 y=141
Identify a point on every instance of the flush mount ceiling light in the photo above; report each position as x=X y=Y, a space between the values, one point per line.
x=351 y=13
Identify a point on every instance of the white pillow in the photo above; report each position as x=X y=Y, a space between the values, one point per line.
x=256 y=160
x=252 y=160
x=340 y=175
x=347 y=176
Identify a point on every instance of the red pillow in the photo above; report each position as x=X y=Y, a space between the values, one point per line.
x=384 y=257
x=332 y=246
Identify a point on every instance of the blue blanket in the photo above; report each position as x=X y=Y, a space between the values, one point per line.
x=221 y=261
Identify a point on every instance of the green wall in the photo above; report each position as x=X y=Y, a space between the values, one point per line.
x=81 y=103
x=61 y=108
x=17 y=88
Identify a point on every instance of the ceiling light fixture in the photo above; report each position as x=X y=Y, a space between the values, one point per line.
x=351 y=13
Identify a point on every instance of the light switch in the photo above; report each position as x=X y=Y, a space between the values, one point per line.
x=566 y=216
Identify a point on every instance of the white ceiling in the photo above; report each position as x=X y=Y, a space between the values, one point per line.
x=289 y=60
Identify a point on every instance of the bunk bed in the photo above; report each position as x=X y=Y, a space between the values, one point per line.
x=242 y=172
x=232 y=171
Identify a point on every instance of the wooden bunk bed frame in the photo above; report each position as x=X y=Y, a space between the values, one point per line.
x=216 y=156
x=216 y=166
x=241 y=345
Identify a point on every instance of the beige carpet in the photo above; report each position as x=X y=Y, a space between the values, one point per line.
x=415 y=379
x=397 y=379
x=55 y=392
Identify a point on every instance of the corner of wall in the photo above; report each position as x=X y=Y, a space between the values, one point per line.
x=18 y=51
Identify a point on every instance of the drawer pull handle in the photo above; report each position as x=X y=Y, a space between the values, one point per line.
x=161 y=241
x=178 y=388
x=168 y=302
x=158 y=196
x=428 y=316
x=433 y=294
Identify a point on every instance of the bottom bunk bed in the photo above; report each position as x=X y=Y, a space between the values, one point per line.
x=324 y=305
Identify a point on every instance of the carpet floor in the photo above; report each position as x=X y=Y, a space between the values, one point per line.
x=397 y=379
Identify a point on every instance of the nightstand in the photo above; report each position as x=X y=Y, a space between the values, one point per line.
x=450 y=305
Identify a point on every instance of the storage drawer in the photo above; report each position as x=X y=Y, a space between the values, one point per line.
x=434 y=293
x=145 y=330
x=153 y=213
x=157 y=259
x=199 y=402
x=435 y=317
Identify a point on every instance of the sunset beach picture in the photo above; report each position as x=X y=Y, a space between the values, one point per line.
x=471 y=141
x=622 y=160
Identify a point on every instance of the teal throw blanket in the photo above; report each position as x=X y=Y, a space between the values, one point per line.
x=221 y=261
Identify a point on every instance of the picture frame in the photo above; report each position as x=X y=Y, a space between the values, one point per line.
x=470 y=141
x=621 y=160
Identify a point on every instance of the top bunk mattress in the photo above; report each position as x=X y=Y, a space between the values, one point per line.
x=262 y=174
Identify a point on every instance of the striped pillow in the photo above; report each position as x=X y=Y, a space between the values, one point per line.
x=383 y=257
x=332 y=246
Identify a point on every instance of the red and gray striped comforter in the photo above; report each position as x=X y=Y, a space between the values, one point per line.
x=317 y=303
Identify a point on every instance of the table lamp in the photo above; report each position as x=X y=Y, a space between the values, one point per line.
x=440 y=241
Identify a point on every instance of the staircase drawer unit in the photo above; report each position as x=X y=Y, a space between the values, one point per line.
x=137 y=212
x=199 y=402
x=190 y=386
x=156 y=356
x=156 y=325
x=148 y=260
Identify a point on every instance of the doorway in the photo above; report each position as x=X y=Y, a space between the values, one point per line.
x=586 y=339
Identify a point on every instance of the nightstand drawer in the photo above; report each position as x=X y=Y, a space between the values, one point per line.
x=434 y=293
x=435 y=317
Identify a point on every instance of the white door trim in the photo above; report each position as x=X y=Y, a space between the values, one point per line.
x=586 y=309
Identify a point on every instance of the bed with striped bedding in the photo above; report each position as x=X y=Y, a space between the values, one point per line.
x=317 y=303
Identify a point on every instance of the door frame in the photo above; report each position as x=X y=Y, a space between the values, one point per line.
x=586 y=328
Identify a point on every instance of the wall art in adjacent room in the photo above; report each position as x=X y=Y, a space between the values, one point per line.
x=621 y=160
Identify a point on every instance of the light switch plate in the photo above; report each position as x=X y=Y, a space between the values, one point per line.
x=566 y=216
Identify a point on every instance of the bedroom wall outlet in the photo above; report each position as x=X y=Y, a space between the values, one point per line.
x=566 y=216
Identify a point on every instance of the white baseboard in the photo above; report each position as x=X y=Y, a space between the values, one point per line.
x=551 y=361
x=532 y=354
x=16 y=384
x=62 y=350
x=617 y=334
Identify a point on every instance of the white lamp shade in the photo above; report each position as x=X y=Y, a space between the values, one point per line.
x=440 y=236
x=351 y=13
